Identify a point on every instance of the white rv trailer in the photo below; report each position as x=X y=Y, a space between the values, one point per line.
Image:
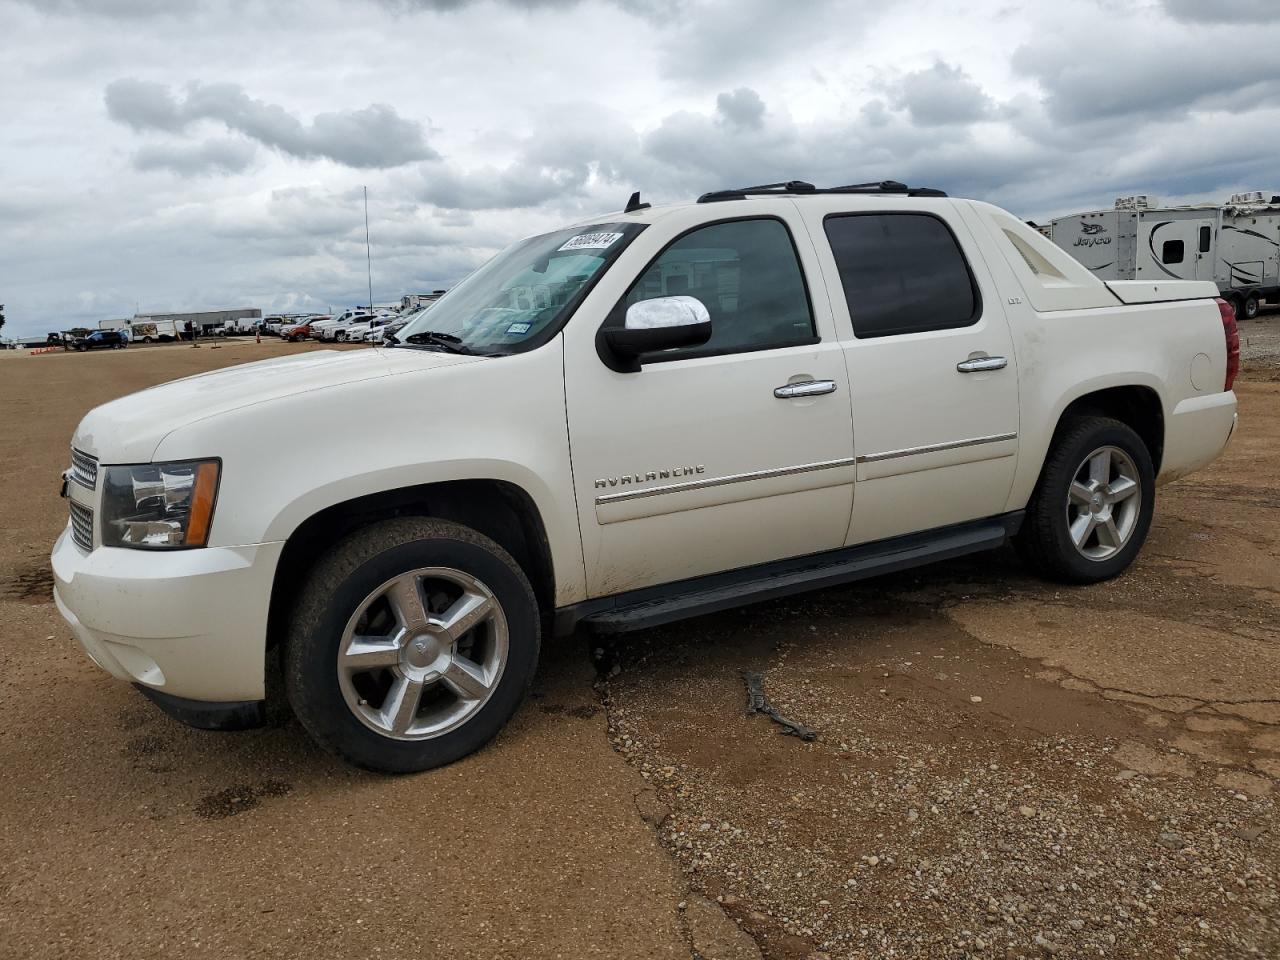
x=1234 y=244
x=416 y=301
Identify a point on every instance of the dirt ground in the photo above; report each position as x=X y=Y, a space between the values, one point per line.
x=1002 y=767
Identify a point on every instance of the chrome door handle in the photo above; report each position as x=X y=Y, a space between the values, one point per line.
x=805 y=388
x=979 y=364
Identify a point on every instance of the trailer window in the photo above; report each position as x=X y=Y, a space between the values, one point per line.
x=901 y=273
x=1171 y=252
x=1205 y=235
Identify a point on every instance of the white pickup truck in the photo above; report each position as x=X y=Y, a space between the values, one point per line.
x=647 y=416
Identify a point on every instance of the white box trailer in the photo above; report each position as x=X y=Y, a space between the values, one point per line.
x=1236 y=244
x=153 y=331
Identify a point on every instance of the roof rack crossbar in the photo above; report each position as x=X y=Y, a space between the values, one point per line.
x=801 y=186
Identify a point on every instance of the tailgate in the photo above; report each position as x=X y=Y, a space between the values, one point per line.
x=1160 y=291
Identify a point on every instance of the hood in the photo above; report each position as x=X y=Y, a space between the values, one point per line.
x=128 y=430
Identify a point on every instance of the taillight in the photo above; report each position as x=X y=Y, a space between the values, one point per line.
x=1232 y=333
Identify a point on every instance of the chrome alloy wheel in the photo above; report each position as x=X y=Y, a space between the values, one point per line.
x=1103 y=503
x=423 y=653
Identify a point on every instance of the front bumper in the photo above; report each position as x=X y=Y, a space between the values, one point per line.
x=190 y=624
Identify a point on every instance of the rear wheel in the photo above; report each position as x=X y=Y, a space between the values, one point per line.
x=1091 y=510
x=412 y=644
x=1249 y=309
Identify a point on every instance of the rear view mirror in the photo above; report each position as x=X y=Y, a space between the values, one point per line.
x=662 y=323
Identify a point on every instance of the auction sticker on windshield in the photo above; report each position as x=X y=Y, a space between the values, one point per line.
x=592 y=241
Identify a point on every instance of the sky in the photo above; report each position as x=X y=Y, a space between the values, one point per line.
x=162 y=155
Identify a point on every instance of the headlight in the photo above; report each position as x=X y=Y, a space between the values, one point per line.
x=159 y=505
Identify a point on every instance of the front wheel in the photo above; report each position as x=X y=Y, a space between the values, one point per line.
x=1092 y=508
x=412 y=644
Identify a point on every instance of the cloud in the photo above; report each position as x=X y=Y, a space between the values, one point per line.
x=711 y=41
x=742 y=108
x=641 y=8
x=122 y=9
x=517 y=186
x=1169 y=74
x=543 y=112
x=942 y=95
x=143 y=105
x=196 y=159
x=448 y=6
x=1222 y=11
x=375 y=136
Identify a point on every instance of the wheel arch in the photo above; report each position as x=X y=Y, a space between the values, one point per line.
x=499 y=509
x=1137 y=406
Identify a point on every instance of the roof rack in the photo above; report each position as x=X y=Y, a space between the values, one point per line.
x=801 y=186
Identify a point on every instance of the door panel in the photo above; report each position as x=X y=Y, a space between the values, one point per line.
x=694 y=465
x=935 y=445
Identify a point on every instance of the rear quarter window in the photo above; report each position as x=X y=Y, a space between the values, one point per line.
x=901 y=273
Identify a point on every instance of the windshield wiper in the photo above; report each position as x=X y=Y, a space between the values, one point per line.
x=445 y=341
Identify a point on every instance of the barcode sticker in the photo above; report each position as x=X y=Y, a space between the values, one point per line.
x=592 y=241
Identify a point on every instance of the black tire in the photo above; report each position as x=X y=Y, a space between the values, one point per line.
x=1249 y=309
x=336 y=587
x=1045 y=541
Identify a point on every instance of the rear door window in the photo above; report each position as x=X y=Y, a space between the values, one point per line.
x=901 y=273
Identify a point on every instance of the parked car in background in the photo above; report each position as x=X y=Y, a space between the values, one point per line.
x=336 y=330
x=376 y=334
x=360 y=331
x=341 y=321
x=327 y=329
x=301 y=331
x=381 y=334
x=102 y=339
x=319 y=328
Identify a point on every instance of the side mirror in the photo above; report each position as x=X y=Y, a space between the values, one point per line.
x=663 y=323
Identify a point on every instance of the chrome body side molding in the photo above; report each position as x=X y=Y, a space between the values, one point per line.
x=935 y=447
x=722 y=481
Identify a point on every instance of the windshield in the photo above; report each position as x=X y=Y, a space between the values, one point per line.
x=527 y=290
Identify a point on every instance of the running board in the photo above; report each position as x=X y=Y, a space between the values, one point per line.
x=654 y=606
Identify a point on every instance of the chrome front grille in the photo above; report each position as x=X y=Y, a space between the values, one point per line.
x=84 y=469
x=82 y=526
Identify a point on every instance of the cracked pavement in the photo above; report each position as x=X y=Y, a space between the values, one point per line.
x=1003 y=767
